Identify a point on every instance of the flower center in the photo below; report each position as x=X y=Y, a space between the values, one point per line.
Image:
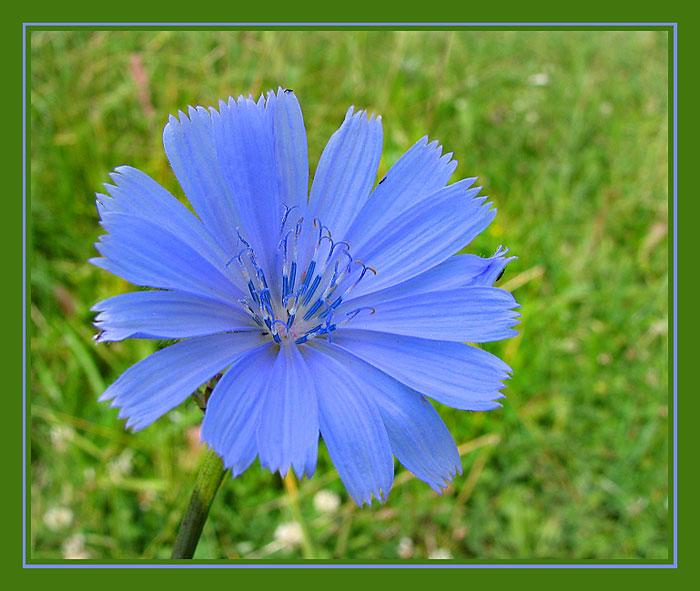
x=317 y=274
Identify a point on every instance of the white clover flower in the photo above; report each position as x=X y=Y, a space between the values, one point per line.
x=539 y=79
x=289 y=535
x=440 y=554
x=326 y=501
x=74 y=548
x=60 y=436
x=121 y=465
x=405 y=549
x=57 y=518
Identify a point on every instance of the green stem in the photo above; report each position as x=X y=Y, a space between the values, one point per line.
x=290 y=484
x=208 y=480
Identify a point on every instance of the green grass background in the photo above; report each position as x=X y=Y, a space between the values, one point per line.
x=568 y=133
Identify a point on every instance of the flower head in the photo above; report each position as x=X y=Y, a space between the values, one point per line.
x=335 y=311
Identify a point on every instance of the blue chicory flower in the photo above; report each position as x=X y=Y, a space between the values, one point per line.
x=336 y=312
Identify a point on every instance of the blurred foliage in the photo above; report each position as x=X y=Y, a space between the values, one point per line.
x=568 y=134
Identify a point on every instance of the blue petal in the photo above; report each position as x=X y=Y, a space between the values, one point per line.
x=288 y=430
x=470 y=314
x=420 y=172
x=418 y=437
x=233 y=411
x=164 y=379
x=291 y=152
x=465 y=270
x=352 y=429
x=346 y=171
x=424 y=236
x=453 y=374
x=166 y=315
x=189 y=145
x=246 y=153
x=138 y=194
x=491 y=270
x=145 y=254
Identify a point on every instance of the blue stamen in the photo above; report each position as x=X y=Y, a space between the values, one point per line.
x=243 y=240
x=334 y=244
x=265 y=299
x=309 y=274
x=329 y=330
x=320 y=284
x=350 y=259
x=312 y=289
x=353 y=313
x=333 y=306
x=253 y=292
x=282 y=244
x=261 y=277
x=311 y=311
x=321 y=227
x=287 y=211
x=292 y=276
x=309 y=333
x=365 y=268
x=334 y=279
